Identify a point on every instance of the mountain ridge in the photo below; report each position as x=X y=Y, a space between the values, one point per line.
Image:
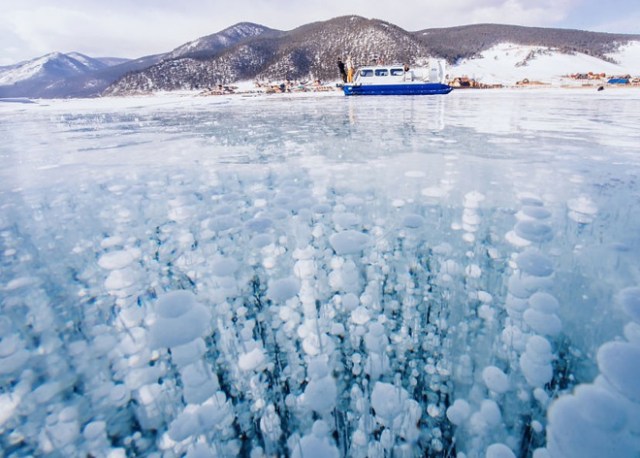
x=249 y=51
x=310 y=51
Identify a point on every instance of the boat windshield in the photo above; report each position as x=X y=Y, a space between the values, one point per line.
x=382 y=72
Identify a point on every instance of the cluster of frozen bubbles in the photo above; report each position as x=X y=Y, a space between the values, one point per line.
x=265 y=315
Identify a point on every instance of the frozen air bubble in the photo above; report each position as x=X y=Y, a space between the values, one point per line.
x=524 y=286
x=46 y=392
x=348 y=242
x=313 y=446
x=543 y=323
x=345 y=219
x=18 y=283
x=283 y=289
x=495 y=379
x=110 y=242
x=68 y=414
x=533 y=231
x=533 y=262
x=600 y=408
x=632 y=333
x=490 y=412
x=251 y=360
x=119 y=395
x=516 y=241
x=499 y=450
x=530 y=199
x=115 y=260
x=180 y=320
x=513 y=337
x=6 y=326
x=473 y=271
x=320 y=428
x=539 y=349
x=94 y=430
x=10 y=344
x=320 y=395
x=544 y=302
x=472 y=199
x=629 y=299
x=183 y=355
x=321 y=209
x=120 y=279
x=352 y=200
x=434 y=192
x=388 y=401
x=224 y=267
x=360 y=315
x=471 y=219
x=458 y=412
x=413 y=221
x=533 y=213
x=580 y=218
x=278 y=214
x=175 y=304
x=582 y=205
x=179 y=214
x=258 y=224
x=537 y=374
x=537 y=427
x=433 y=411
x=571 y=435
x=619 y=363
x=306 y=253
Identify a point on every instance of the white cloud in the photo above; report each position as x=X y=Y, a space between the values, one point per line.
x=627 y=24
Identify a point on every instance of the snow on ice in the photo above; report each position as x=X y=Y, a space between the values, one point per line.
x=326 y=276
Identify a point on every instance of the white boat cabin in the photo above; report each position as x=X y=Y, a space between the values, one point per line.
x=400 y=74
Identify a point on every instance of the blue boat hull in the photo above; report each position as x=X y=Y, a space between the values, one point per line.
x=397 y=89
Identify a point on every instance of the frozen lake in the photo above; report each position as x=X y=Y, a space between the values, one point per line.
x=322 y=275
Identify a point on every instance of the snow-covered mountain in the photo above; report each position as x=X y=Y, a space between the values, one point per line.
x=489 y=53
x=498 y=53
x=508 y=63
x=85 y=76
x=50 y=67
x=61 y=75
x=58 y=75
x=212 y=44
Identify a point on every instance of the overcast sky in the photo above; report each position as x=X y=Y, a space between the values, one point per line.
x=134 y=28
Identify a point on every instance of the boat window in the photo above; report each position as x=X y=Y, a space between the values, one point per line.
x=382 y=72
x=397 y=72
x=366 y=72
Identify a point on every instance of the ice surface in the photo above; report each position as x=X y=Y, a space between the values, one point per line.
x=411 y=276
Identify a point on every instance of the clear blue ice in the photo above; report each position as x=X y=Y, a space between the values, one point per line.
x=321 y=276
